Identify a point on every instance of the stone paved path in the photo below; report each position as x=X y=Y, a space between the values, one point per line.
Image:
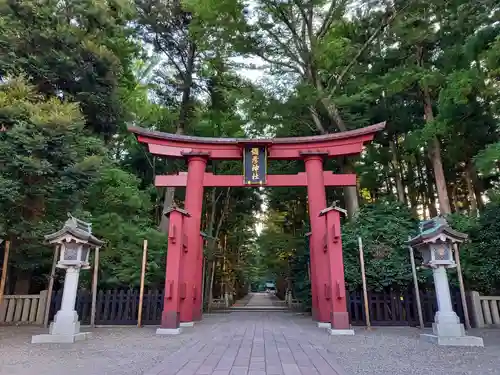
x=253 y=344
x=259 y=301
x=249 y=343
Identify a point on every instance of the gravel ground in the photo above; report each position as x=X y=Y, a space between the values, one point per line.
x=398 y=351
x=132 y=351
x=116 y=351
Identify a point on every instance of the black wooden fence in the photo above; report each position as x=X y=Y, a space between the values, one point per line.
x=119 y=307
x=115 y=307
x=397 y=309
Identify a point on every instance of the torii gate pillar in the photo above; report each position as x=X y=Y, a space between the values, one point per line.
x=319 y=268
x=193 y=266
x=335 y=289
x=175 y=288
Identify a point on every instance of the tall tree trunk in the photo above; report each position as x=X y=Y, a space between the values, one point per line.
x=184 y=115
x=212 y=243
x=434 y=147
x=478 y=187
x=423 y=186
x=431 y=196
x=168 y=201
x=210 y=292
x=413 y=192
x=397 y=173
x=471 y=193
x=434 y=151
x=214 y=231
x=350 y=192
x=452 y=190
x=390 y=187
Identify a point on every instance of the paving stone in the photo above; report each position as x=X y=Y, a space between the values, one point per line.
x=249 y=343
x=257 y=366
x=291 y=369
x=308 y=370
x=205 y=370
x=238 y=370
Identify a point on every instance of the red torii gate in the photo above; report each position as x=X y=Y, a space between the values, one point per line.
x=183 y=279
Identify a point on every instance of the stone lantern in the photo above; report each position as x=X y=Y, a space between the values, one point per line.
x=435 y=243
x=75 y=241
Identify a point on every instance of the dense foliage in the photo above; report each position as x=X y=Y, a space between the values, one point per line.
x=74 y=74
x=384 y=228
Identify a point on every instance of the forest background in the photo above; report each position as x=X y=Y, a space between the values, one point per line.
x=75 y=74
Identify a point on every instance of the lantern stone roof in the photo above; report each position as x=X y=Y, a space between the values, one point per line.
x=76 y=228
x=436 y=230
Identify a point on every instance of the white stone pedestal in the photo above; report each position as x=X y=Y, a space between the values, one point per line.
x=341 y=332
x=65 y=328
x=333 y=331
x=169 y=331
x=60 y=339
x=447 y=329
x=453 y=340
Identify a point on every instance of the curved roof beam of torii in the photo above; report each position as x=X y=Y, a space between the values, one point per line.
x=179 y=146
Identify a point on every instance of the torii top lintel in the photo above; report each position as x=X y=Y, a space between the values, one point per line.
x=179 y=146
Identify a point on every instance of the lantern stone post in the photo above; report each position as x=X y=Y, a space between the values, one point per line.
x=435 y=242
x=75 y=240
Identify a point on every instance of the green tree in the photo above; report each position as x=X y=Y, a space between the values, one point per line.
x=81 y=51
x=384 y=228
x=48 y=160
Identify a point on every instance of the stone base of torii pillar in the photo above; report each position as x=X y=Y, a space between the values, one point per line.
x=335 y=332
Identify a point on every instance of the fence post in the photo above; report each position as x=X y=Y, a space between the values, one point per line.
x=42 y=305
x=3 y=278
x=415 y=286
x=476 y=309
x=48 y=300
x=95 y=276
x=462 y=288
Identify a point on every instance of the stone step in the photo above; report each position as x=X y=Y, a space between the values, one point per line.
x=258 y=308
